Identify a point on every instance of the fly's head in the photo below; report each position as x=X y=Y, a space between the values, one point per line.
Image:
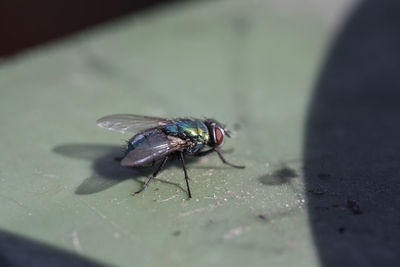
x=217 y=133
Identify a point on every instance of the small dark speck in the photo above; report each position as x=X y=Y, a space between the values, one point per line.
x=156 y=189
x=341 y=230
x=262 y=217
x=177 y=233
x=237 y=126
x=210 y=222
x=353 y=206
x=99 y=64
x=316 y=192
x=324 y=176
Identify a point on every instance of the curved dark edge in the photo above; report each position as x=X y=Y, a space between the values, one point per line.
x=25 y=24
x=352 y=143
x=16 y=251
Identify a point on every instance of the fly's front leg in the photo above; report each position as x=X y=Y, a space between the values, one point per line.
x=204 y=153
x=228 y=163
x=153 y=175
x=182 y=157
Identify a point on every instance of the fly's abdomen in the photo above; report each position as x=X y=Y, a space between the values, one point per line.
x=145 y=148
x=136 y=141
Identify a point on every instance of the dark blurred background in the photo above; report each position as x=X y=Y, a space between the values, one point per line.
x=352 y=147
x=24 y=24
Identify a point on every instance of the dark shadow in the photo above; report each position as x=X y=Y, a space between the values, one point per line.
x=25 y=24
x=280 y=176
x=107 y=170
x=352 y=143
x=19 y=251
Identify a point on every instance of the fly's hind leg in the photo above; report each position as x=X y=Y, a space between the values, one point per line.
x=153 y=175
x=182 y=157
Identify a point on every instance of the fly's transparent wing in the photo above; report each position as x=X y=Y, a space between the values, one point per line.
x=152 y=146
x=130 y=123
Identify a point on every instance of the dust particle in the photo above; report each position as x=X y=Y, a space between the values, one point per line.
x=177 y=233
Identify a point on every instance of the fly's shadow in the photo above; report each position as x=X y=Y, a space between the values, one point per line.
x=280 y=176
x=107 y=170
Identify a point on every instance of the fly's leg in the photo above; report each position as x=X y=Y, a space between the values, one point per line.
x=185 y=171
x=227 y=151
x=228 y=163
x=204 y=153
x=153 y=175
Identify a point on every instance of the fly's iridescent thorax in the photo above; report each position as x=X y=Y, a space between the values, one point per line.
x=192 y=130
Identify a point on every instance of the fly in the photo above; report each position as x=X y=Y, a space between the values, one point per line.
x=159 y=139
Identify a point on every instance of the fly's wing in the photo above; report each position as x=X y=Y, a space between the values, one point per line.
x=154 y=146
x=130 y=123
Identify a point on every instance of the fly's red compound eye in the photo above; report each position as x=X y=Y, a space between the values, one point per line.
x=219 y=136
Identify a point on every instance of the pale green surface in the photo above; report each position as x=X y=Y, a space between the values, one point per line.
x=246 y=63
